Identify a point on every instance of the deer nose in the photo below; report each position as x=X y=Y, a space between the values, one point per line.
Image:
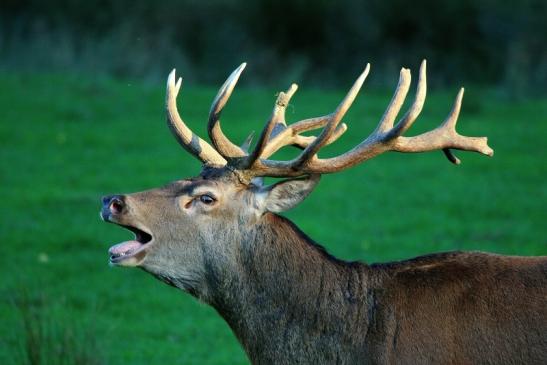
x=114 y=204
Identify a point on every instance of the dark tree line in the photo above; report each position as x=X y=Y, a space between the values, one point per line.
x=322 y=42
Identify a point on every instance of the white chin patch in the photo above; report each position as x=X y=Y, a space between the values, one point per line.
x=129 y=262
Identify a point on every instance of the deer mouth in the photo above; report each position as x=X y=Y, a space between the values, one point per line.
x=130 y=253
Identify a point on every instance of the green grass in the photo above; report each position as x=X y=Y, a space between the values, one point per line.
x=65 y=141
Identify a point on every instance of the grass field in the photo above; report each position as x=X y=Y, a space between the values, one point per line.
x=65 y=141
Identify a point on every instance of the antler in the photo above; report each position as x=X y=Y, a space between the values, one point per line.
x=277 y=134
x=223 y=145
x=276 y=127
x=386 y=137
x=188 y=140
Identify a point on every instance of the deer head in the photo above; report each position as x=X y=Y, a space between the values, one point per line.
x=191 y=232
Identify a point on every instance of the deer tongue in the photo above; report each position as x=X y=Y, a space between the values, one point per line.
x=124 y=248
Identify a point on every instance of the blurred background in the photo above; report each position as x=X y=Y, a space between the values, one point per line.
x=320 y=42
x=82 y=115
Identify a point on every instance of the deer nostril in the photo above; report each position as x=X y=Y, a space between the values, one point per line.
x=106 y=199
x=116 y=205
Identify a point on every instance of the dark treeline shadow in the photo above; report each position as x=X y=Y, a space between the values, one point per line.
x=323 y=43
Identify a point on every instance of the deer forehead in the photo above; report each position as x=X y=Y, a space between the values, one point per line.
x=220 y=187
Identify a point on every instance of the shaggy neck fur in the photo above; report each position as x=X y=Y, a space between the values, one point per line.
x=308 y=307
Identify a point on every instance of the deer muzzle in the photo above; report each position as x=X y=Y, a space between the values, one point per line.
x=116 y=210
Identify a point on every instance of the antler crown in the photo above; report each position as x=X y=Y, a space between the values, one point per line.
x=277 y=134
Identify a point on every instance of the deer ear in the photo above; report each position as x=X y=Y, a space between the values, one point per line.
x=286 y=194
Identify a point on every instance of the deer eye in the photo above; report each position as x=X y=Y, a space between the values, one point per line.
x=206 y=199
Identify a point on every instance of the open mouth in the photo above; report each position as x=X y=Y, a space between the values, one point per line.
x=134 y=249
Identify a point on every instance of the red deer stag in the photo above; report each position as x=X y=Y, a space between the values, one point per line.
x=217 y=236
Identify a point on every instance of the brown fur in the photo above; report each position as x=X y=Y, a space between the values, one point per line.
x=304 y=306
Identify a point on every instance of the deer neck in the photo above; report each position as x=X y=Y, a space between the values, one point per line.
x=288 y=292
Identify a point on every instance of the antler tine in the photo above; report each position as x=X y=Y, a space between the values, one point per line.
x=445 y=137
x=290 y=136
x=281 y=104
x=277 y=119
x=223 y=145
x=421 y=90
x=335 y=118
x=188 y=140
x=304 y=141
x=386 y=123
x=450 y=122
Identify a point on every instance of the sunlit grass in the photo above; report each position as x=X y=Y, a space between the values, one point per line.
x=65 y=141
